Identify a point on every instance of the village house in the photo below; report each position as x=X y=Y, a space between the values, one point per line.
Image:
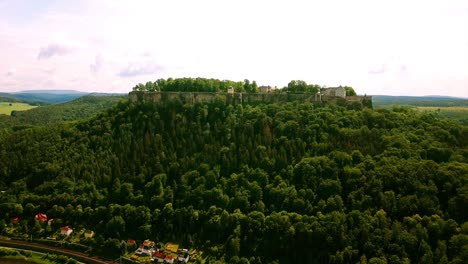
x=147 y=244
x=169 y=259
x=230 y=90
x=183 y=255
x=146 y=248
x=159 y=257
x=89 y=234
x=66 y=230
x=42 y=218
x=15 y=220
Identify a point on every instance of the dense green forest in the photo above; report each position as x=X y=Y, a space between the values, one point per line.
x=80 y=108
x=264 y=183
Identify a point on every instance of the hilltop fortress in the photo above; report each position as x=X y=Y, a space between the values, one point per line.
x=324 y=96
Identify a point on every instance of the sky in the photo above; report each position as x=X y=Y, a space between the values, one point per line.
x=397 y=47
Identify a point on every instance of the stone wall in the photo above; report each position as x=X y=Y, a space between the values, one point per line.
x=235 y=98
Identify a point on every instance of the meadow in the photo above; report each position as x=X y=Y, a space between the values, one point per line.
x=7 y=107
x=459 y=113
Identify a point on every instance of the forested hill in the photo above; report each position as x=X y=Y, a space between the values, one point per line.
x=43 y=97
x=287 y=183
x=80 y=108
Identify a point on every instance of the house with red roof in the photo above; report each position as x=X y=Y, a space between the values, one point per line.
x=169 y=259
x=41 y=217
x=159 y=257
x=147 y=244
x=15 y=220
x=66 y=230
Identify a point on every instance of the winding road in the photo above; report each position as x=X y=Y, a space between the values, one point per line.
x=49 y=249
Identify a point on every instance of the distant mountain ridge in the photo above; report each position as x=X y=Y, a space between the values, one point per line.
x=433 y=100
x=44 y=96
x=51 y=92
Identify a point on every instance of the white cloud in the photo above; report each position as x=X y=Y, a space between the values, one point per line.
x=140 y=68
x=112 y=45
x=10 y=72
x=53 y=49
x=97 y=65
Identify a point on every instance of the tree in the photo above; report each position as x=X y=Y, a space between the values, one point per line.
x=349 y=91
x=115 y=227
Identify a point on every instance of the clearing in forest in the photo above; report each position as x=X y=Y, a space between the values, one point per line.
x=7 y=107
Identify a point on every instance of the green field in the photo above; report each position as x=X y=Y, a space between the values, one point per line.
x=459 y=113
x=6 y=107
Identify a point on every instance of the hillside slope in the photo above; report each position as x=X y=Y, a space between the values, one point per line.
x=287 y=183
x=390 y=101
x=80 y=108
x=44 y=96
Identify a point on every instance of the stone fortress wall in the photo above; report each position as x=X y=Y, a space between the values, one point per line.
x=240 y=98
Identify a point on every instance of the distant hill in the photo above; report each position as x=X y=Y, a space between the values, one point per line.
x=51 y=92
x=43 y=96
x=80 y=108
x=389 y=101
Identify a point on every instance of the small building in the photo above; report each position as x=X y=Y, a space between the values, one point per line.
x=146 y=248
x=42 y=218
x=131 y=242
x=171 y=247
x=183 y=255
x=89 y=234
x=265 y=89
x=230 y=90
x=334 y=91
x=49 y=223
x=66 y=230
x=169 y=259
x=147 y=244
x=15 y=220
x=159 y=257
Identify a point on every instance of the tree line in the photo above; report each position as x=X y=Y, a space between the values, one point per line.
x=216 y=85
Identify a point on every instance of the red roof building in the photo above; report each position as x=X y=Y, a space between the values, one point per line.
x=148 y=243
x=66 y=230
x=41 y=217
x=15 y=220
x=169 y=259
x=160 y=256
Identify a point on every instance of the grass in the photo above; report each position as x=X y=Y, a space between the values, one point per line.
x=6 y=108
x=32 y=257
x=442 y=108
x=459 y=113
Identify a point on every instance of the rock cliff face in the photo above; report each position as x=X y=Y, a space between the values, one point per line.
x=241 y=98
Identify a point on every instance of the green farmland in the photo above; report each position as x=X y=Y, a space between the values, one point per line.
x=459 y=113
x=6 y=107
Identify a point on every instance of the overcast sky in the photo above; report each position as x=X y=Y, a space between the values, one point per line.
x=397 y=47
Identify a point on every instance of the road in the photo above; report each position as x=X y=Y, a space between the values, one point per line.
x=49 y=249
